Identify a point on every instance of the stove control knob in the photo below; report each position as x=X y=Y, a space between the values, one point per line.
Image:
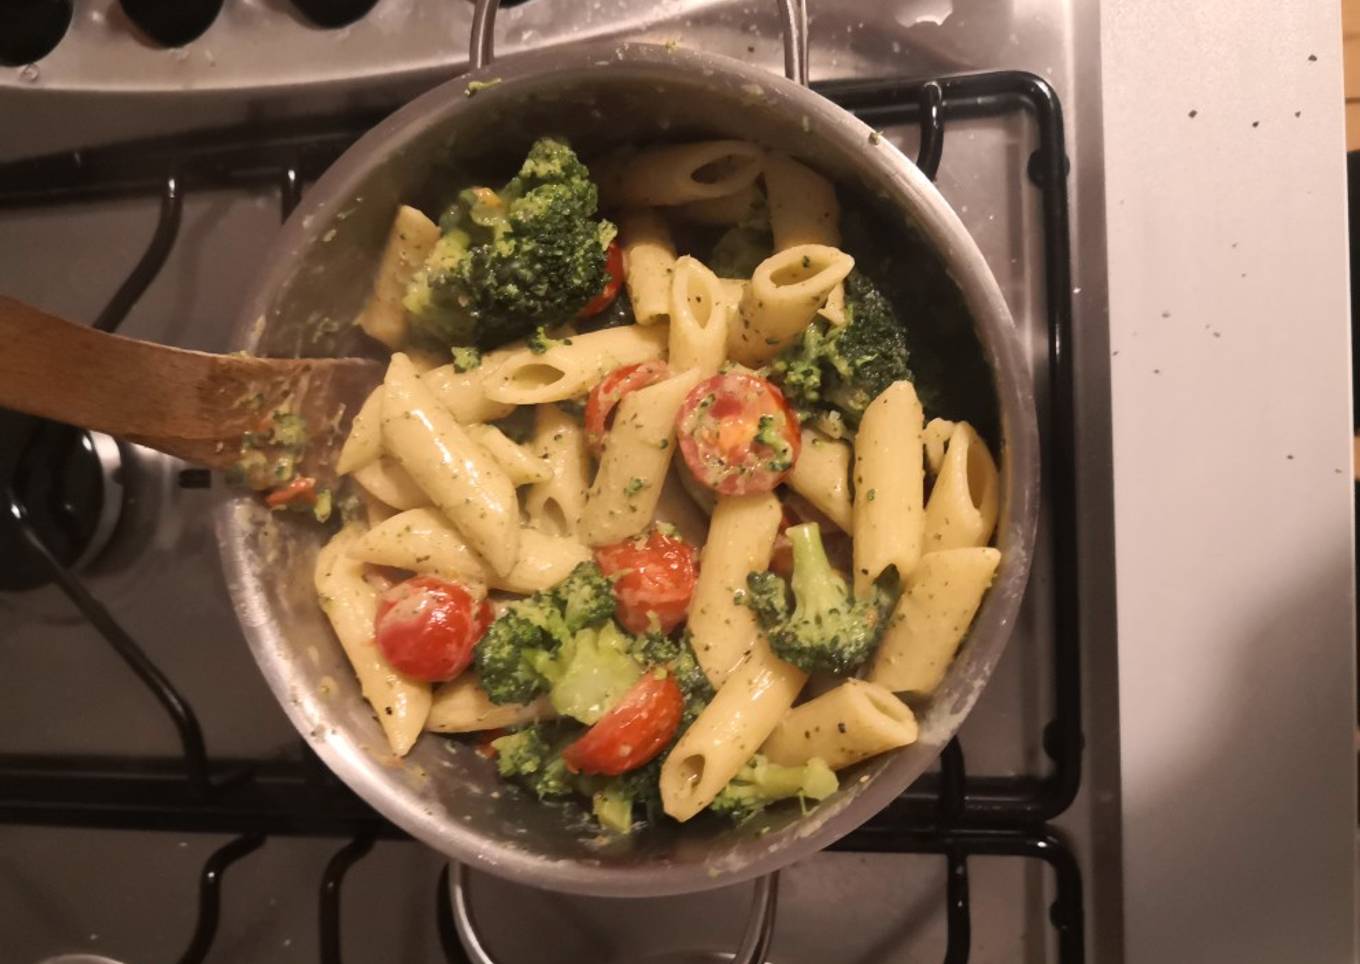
x=172 y=23
x=31 y=29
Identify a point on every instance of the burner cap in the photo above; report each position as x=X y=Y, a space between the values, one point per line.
x=172 y=23
x=68 y=484
x=30 y=29
x=334 y=13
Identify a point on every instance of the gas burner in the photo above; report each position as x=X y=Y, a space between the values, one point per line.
x=67 y=485
x=30 y=29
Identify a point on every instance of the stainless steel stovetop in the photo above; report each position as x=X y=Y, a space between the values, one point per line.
x=131 y=895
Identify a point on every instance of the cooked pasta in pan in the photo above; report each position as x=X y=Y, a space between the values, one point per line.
x=657 y=476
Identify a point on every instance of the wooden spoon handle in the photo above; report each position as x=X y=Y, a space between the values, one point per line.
x=70 y=373
x=191 y=404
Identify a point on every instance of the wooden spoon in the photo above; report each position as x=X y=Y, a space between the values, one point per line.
x=190 y=404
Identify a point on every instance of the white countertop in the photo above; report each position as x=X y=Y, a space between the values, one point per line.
x=1230 y=359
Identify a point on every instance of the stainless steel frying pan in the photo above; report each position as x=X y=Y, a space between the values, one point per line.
x=320 y=268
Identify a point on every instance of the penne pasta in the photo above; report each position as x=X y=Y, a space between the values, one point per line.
x=741 y=538
x=363 y=445
x=555 y=505
x=889 y=486
x=785 y=293
x=936 y=438
x=700 y=316
x=649 y=262
x=822 y=476
x=931 y=618
x=676 y=508
x=516 y=462
x=803 y=206
x=462 y=706
x=410 y=241
x=574 y=365
x=464 y=393
x=962 y=508
x=847 y=724
x=423 y=540
x=739 y=207
x=350 y=603
x=747 y=707
x=682 y=173
x=386 y=481
x=465 y=483
x=633 y=465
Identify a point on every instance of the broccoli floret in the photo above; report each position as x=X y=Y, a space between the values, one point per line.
x=531 y=254
x=531 y=759
x=829 y=629
x=511 y=655
x=590 y=673
x=466 y=358
x=677 y=656
x=586 y=597
x=539 y=341
x=760 y=783
x=840 y=370
x=739 y=250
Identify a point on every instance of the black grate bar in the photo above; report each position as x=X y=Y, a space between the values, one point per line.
x=290 y=191
x=930 y=100
x=957 y=913
x=331 y=882
x=210 y=895
x=443 y=915
x=1066 y=912
x=151 y=262
x=195 y=760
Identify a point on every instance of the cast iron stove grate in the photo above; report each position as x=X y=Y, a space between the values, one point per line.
x=952 y=814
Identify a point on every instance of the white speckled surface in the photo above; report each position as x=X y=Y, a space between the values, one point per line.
x=1226 y=206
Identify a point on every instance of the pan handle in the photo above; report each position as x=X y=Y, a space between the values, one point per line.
x=755 y=942
x=792 y=15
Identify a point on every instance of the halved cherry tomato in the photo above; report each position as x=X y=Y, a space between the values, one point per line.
x=634 y=730
x=738 y=434
x=428 y=627
x=613 y=279
x=301 y=490
x=605 y=396
x=653 y=577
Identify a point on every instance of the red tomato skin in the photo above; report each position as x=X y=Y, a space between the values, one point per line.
x=301 y=489
x=654 y=575
x=633 y=732
x=428 y=627
x=613 y=271
x=605 y=396
x=718 y=444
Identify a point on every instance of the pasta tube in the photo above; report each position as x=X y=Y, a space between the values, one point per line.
x=364 y=442
x=350 y=603
x=931 y=618
x=649 y=261
x=410 y=241
x=573 y=366
x=518 y=464
x=422 y=540
x=462 y=706
x=464 y=393
x=742 y=714
x=936 y=438
x=389 y=483
x=736 y=208
x=847 y=724
x=963 y=504
x=785 y=293
x=803 y=206
x=555 y=505
x=466 y=484
x=889 y=486
x=700 y=316
x=681 y=173
x=741 y=538
x=822 y=476
x=637 y=454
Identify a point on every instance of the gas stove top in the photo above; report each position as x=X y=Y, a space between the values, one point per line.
x=93 y=773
